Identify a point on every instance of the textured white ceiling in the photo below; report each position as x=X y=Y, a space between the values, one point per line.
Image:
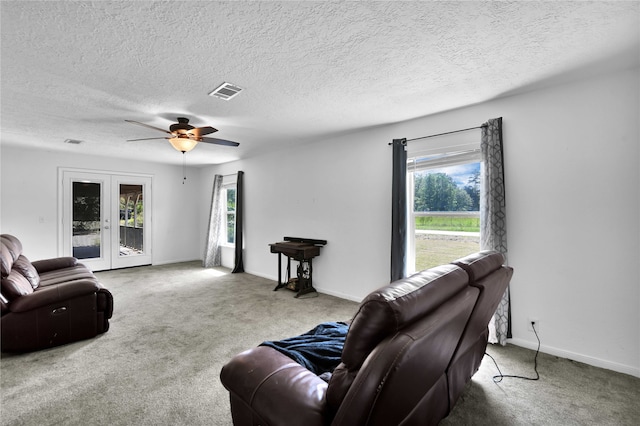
x=77 y=70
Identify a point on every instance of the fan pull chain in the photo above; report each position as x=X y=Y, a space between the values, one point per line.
x=184 y=167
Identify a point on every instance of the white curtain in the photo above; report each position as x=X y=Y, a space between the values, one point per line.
x=493 y=217
x=215 y=233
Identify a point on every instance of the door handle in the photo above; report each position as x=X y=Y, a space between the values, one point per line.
x=58 y=311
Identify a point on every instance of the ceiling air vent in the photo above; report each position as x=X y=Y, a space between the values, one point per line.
x=226 y=91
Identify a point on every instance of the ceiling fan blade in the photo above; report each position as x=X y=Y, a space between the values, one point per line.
x=198 y=132
x=147 y=125
x=219 y=141
x=144 y=139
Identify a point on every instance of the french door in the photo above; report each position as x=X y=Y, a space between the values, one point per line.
x=106 y=219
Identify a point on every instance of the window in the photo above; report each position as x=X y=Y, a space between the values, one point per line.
x=444 y=206
x=230 y=212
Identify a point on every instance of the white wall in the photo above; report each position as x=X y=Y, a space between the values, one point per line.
x=573 y=200
x=30 y=192
x=572 y=162
x=310 y=193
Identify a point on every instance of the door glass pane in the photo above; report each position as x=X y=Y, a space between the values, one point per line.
x=86 y=220
x=131 y=220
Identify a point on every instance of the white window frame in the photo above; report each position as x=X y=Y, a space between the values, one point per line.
x=446 y=151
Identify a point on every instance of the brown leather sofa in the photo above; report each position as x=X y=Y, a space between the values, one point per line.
x=409 y=351
x=48 y=302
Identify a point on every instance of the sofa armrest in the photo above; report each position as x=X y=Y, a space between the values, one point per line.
x=53 y=294
x=275 y=388
x=46 y=265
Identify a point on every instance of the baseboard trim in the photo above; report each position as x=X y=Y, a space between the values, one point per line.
x=596 y=362
x=318 y=289
x=168 y=262
x=339 y=295
x=265 y=276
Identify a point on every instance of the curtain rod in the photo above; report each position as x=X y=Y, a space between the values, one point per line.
x=447 y=133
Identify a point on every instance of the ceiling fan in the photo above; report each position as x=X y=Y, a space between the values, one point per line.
x=183 y=136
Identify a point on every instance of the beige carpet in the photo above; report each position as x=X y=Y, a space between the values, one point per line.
x=174 y=326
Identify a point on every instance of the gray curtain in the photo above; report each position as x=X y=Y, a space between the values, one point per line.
x=399 y=210
x=239 y=263
x=215 y=233
x=493 y=217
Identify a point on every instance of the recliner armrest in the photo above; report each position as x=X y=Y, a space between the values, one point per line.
x=275 y=388
x=45 y=265
x=54 y=294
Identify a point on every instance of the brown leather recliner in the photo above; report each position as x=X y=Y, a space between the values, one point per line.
x=409 y=350
x=485 y=272
x=48 y=302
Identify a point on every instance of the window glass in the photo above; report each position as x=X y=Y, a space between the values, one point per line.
x=230 y=215
x=446 y=210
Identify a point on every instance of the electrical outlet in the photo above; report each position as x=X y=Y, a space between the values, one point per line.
x=534 y=320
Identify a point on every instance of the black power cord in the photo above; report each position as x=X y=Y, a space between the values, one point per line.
x=498 y=378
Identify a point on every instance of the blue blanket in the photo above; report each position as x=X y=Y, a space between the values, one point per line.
x=318 y=350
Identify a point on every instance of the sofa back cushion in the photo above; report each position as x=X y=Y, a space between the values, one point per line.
x=479 y=265
x=403 y=380
x=386 y=311
x=15 y=285
x=397 y=305
x=6 y=260
x=11 y=251
x=26 y=269
x=488 y=274
x=19 y=277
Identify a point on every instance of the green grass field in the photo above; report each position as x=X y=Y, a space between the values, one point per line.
x=434 y=250
x=448 y=223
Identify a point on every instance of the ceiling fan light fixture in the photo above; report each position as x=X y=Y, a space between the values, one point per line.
x=183 y=136
x=183 y=144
